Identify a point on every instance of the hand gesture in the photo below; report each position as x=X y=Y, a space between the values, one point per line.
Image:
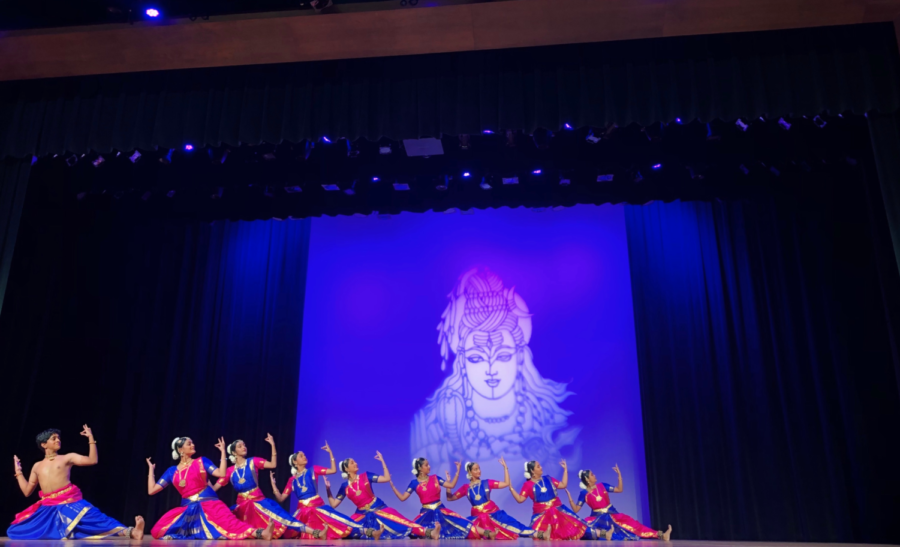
x=502 y=462
x=457 y=464
x=447 y=474
x=616 y=469
x=270 y=439
x=272 y=476
x=562 y=463
x=221 y=445
x=327 y=448
x=17 y=464
x=327 y=484
x=379 y=457
x=151 y=465
x=86 y=432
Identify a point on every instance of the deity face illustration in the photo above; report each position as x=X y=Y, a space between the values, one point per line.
x=490 y=362
x=494 y=402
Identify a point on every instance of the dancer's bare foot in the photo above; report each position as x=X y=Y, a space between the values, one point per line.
x=609 y=533
x=666 y=536
x=138 y=531
x=436 y=533
x=267 y=533
x=376 y=534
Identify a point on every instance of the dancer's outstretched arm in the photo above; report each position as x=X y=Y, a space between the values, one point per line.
x=506 y=482
x=575 y=506
x=280 y=496
x=565 y=478
x=27 y=487
x=402 y=496
x=452 y=483
x=223 y=463
x=385 y=474
x=618 y=489
x=152 y=487
x=273 y=462
x=91 y=458
x=517 y=496
x=333 y=468
x=334 y=502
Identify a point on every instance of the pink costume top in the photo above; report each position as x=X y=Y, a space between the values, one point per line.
x=191 y=482
x=597 y=499
x=479 y=496
x=542 y=493
x=360 y=492
x=429 y=492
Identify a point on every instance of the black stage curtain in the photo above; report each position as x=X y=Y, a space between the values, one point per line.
x=147 y=330
x=767 y=346
x=775 y=73
x=885 y=135
x=13 y=181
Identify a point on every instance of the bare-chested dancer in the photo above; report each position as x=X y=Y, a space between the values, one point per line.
x=61 y=513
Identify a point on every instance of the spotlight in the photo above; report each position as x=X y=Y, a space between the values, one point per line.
x=375 y=179
x=152 y=12
x=740 y=123
x=567 y=126
x=331 y=187
x=677 y=120
x=510 y=180
x=488 y=132
x=189 y=147
x=536 y=172
x=657 y=166
x=784 y=124
x=292 y=189
x=467 y=175
x=605 y=178
x=401 y=186
x=135 y=157
x=98 y=162
x=484 y=184
x=326 y=139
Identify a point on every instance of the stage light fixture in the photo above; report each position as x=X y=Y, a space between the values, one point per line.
x=189 y=147
x=740 y=123
x=784 y=124
x=488 y=132
x=33 y=160
x=510 y=180
x=466 y=175
x=375 y=179
x=98 y=162
x=567 y=126
x=152 y=12
x=677 y=120
x=605 y=178
x=326 y=139
x=401 y=186
x=293 y=189
x=72 y=160
x=331 y=187
x=820 y=123
x=657 y=166
x=484 y=184
x=135 y=157
x=536 y=172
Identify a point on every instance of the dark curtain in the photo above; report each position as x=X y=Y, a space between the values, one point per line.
x=775 y=73
x=885 y=134
x=147 y=330
x=13 y=181
x=766 y=336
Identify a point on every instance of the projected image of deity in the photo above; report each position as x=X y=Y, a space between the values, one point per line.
x=494 y=402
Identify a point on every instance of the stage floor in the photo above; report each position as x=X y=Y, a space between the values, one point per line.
x=6 y=542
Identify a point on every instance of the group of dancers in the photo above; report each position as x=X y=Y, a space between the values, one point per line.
x=61 y=512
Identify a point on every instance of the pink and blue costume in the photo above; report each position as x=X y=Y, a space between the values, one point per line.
x=252 y=506
x=486 y=514
x=453 y=526
x=202 y=515
x=604 y=516
x=550 y=515
x=313 y=512
x=371 y=512
x=63 y=514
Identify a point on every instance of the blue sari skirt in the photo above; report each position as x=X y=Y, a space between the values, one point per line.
x=453 y=526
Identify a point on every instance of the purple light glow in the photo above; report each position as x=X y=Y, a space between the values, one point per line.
x=326 y=139
x=536 y=172
x=375 y=179
x=657 y=166
x=568 y=126
x=189 y=147
x=152 y=12
x=488 y=132
x=467 y=174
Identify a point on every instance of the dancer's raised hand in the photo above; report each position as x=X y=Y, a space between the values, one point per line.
x=17 y=464
x=562 y=463
x=272 y=476
x=86 y=432
x=221 y=445
x=270 y=439
x=502 y=462
x=151 y=465
x=379 y=457
x=616 y=469
x=327 y=448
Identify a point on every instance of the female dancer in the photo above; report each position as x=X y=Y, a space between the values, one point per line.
x=604 y=515
x=485 y=513
x=371 y=512
x=201 y=515
x=428 y=487
x=550 y=518
x=311 y=510
x=252 y=506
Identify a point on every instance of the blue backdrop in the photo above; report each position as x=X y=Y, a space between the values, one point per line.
x=379 y=325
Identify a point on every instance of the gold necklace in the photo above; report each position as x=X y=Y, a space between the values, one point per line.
x=50 y=458
x=475 y=485
x=241 y=479
x=541 y=485
x=183 y=482
x=303 y=486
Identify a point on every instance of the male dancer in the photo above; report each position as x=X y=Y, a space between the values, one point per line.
x=61 y=513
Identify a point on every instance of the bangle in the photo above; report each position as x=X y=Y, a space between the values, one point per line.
x=92 y=442
x=19 y=474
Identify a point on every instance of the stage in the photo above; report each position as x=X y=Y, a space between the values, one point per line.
x=5 y=542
